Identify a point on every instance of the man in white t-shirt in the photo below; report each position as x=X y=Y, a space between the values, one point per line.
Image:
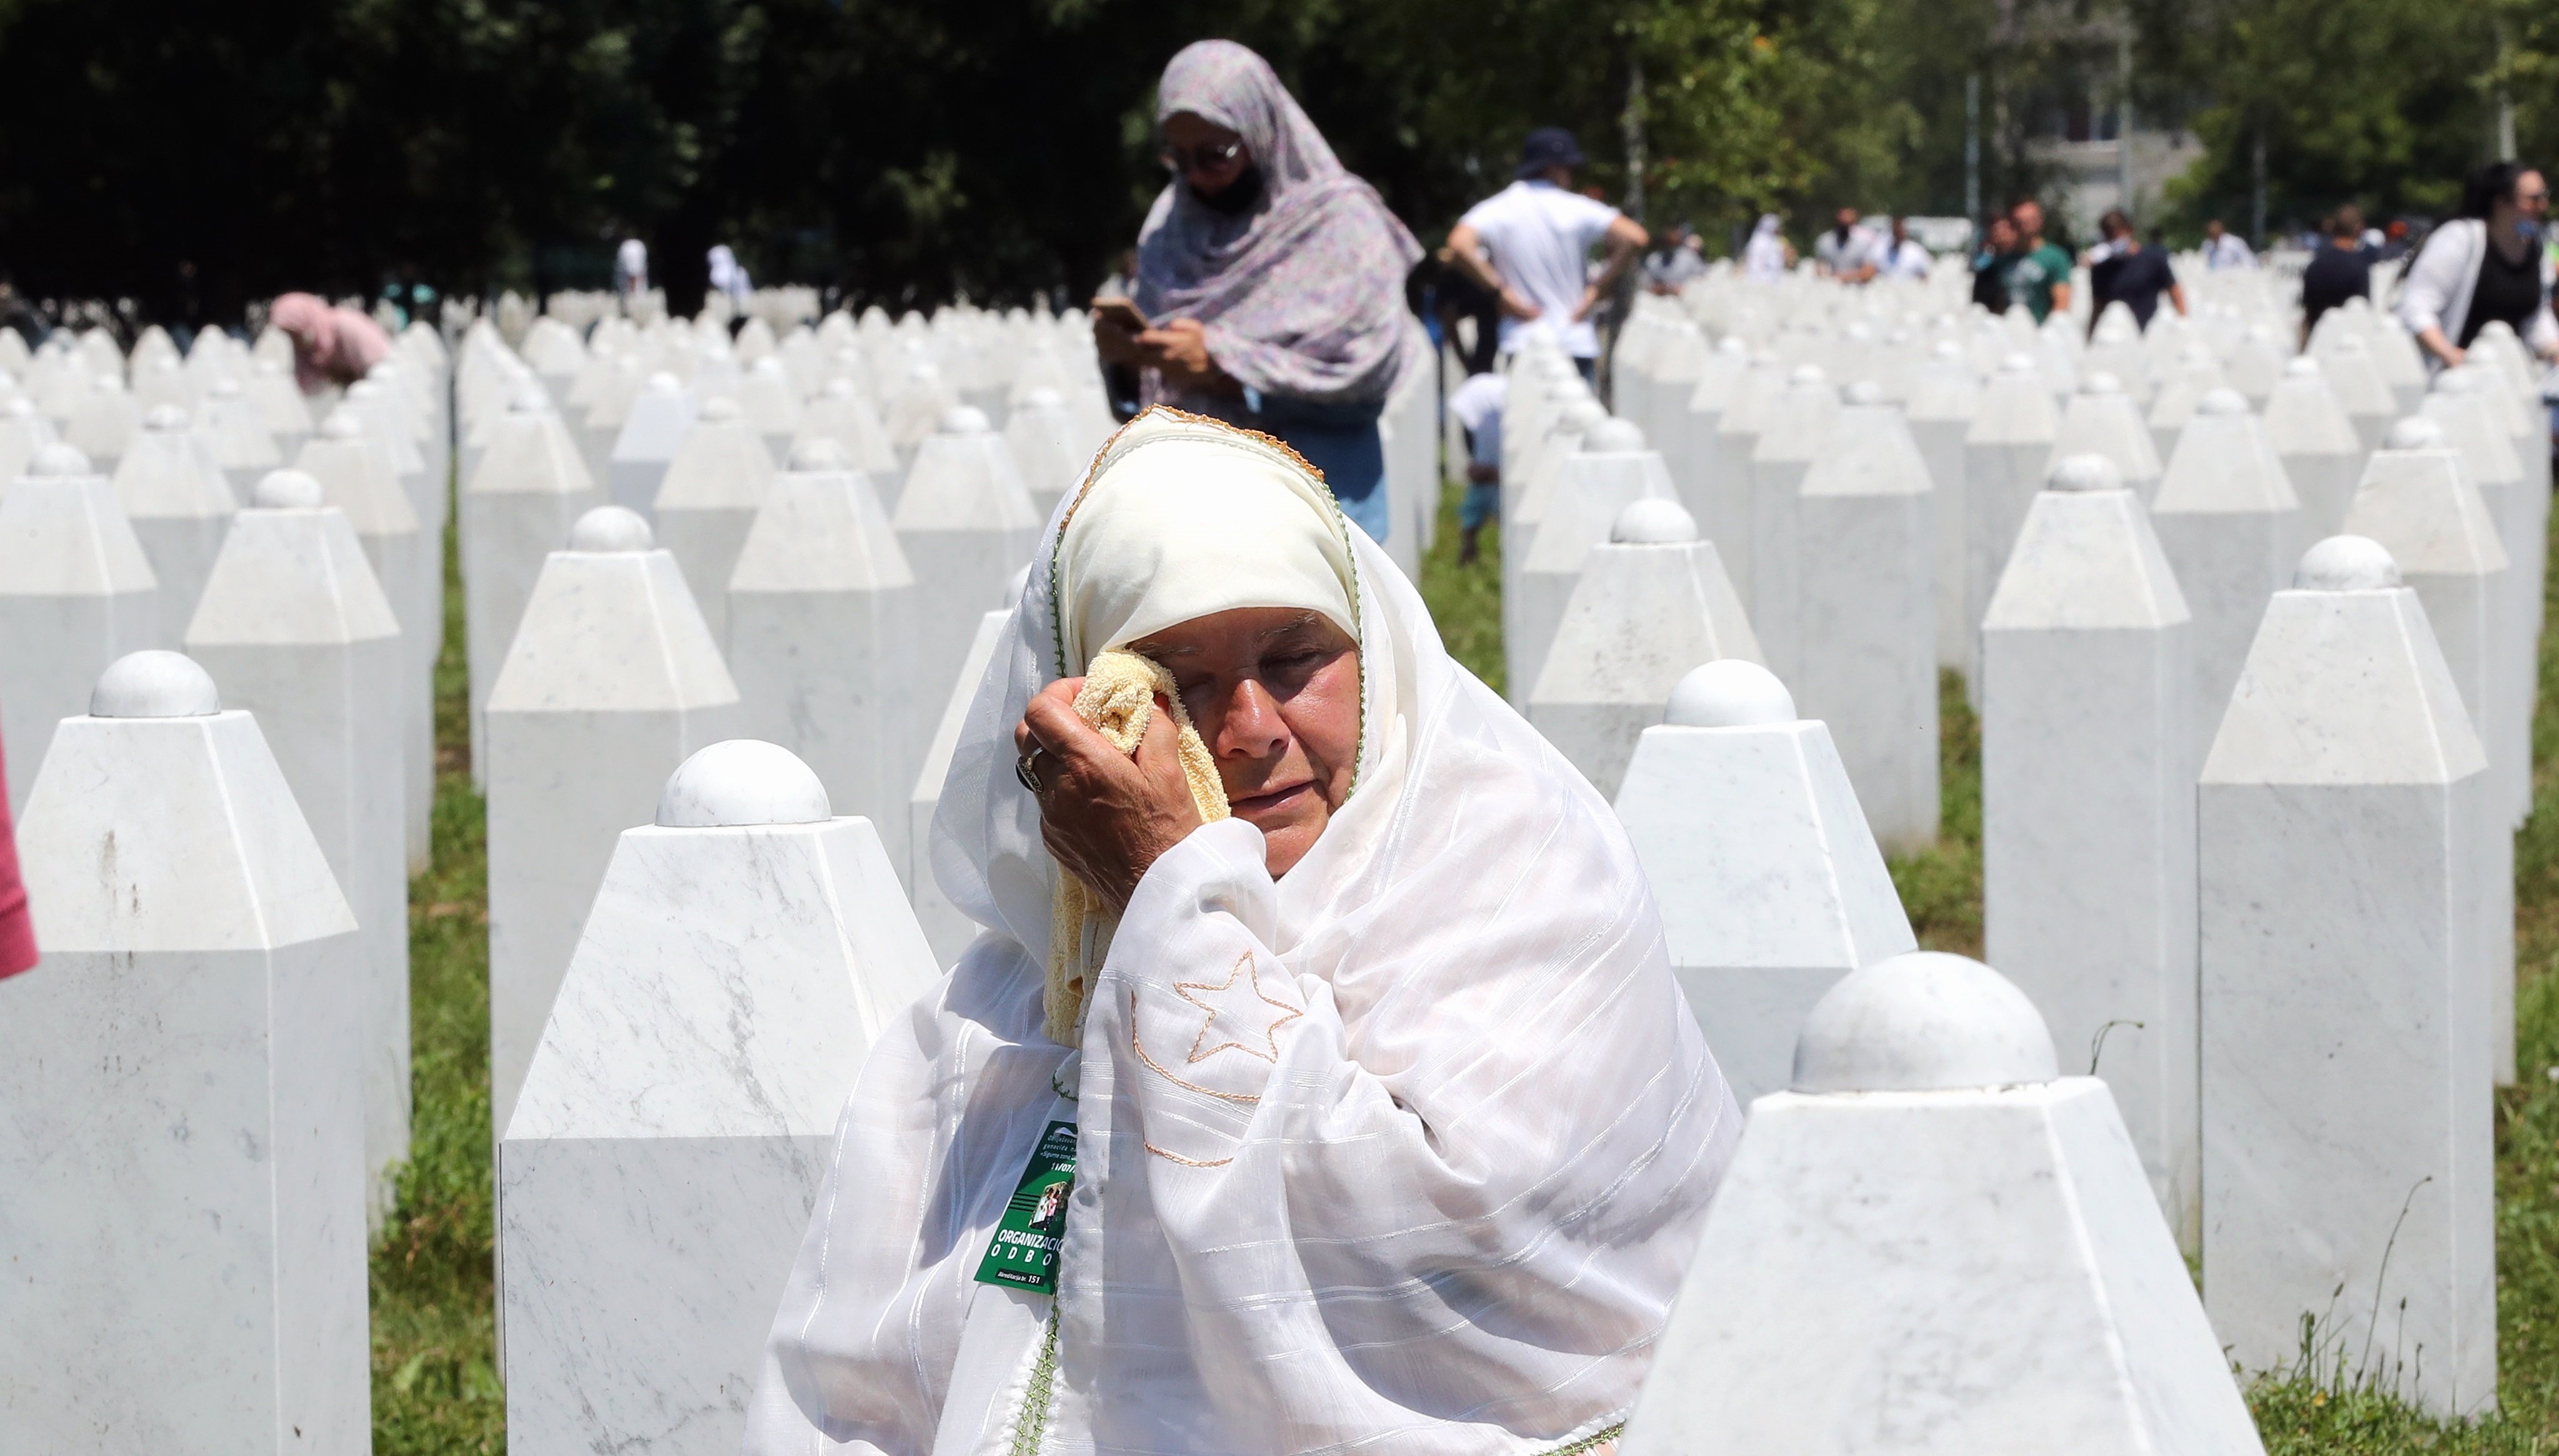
x=2222 y=249
x=1846 y=251
x=1901 y=256
x=1529 y=243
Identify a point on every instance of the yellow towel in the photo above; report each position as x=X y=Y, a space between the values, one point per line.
x=1118 y=700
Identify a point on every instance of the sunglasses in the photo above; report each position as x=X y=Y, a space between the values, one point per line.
x=1201 y=159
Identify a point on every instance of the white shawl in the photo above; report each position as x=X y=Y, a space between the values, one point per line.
x=1405 y=1152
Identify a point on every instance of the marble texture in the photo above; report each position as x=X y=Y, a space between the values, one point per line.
x=2419 y=504
x=1043 y=440
x=821 y=630
x=2088 y=808
x=1944 y=396
x=946 y=928
x=1798 y=427
x=1865 y=612
x=410 y=567
x=2007 y=453
x=1731 y=497
x=2470 y=427
x=1593 y=486
x=1770 y=884
x=76 y=593
x=2356 y=378
x=611 y=682
x=841 y=413
x=1652 y=603
x=297 y=631
x=660 y=1165
x=966 y=524
x=2198 y=372
x=178 y=503
x=2322 y=452
x=1933 y=1244
x=1687 y=440
x=2103 y=418
x=2231 y=529
x=708 y=497
x=183 y=1145
x=1529 y=484
x=2349 y=1162
x=530 y=486
x=644 y=441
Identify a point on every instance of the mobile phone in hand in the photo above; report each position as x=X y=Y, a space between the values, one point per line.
x=1122 y=312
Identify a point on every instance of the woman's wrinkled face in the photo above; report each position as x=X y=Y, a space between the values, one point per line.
x=1275 y=692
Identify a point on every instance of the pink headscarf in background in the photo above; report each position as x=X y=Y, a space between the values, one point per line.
x=331 y=345
x=1302 y=294
x=17 y=927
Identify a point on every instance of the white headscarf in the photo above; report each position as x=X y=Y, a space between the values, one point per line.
x=1448 y=1210
x=1764 y=259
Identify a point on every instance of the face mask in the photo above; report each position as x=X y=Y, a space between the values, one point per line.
x=1237 y=196
x=2528 y=229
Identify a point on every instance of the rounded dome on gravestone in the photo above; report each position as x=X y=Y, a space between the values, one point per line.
x=1863 y=392
x=58 y=460
x=165 y=419
x=1612 y=436
x=1652 y=522
x=286 y=490
x=2346 y=564
x=2018 y=364
x=663 y=383
x=721 y=409
x=2101 y=382
x=1810 y=373
x=1583 y=414
x=739 y=782
x=1922 y=1021
x=964 y=419
x=225 y=390
x=342 y=424
x=1043 y=397
x=1732 y=343
x=2085 y=472
x=819 y=452
x=2450 y=381
x=1947 y=352
x=154 y=684
x=530 y=399
x=2222 y=400
x=611 y=529
x=840 y=387
x=2301 y=366
x=2416 y=432
x=1729 y=692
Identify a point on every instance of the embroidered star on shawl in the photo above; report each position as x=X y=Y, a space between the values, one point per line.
x=1239 y=1013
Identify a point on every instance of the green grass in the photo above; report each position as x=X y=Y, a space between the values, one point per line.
x=435 y=1388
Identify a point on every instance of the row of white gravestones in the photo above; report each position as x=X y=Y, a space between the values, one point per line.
x=741 y=954
x=76 y=593
x=185 y=1151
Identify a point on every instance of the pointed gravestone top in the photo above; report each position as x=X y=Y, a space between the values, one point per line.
x=1923 y=1021
x=611 y=529
x=1729 y=693
x=741 y=781
x=154 y=684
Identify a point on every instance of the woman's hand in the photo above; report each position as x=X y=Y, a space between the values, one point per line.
x=1114 y=341
x=1180 y=351
x=1106 y=816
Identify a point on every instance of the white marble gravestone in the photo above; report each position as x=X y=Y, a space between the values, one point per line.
x=2102 y=420
x=2181 y=394
x=743 y=952
x=652 y=430
x=2231 y=529
x=1936 y=1243
x=708 y=498
x=1651 y=604
x=2006 y=454
x=1529 y=484
x=771 y=400
x=355 y=477
x=966 y=524
x=1944 y=396
x=2322 y=452
x=297 y=631
x=1770 y=884
x=1689 y=447
x=1797 y=427
x=611 y=682
x=103 y=427
x=236 y=431
x=2418 y=504
x=1593 y=488
x=1864 y=570
x=178 y=503
x=2458 y=407
x=1726 y=473
x=2360 y=389
x=2088 y=759
x=821 y=632
x=947 y=928
x=2349 y=1169
x=530 y=488
x=841 y=413
x=183 y=1149
x=75 y=594
x=1042 y=438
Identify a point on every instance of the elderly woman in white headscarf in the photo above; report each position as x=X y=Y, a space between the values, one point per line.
x=1331 y=996
x=1270 y=280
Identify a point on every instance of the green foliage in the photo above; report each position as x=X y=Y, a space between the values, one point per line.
x=1942 y=886
x=1466 y=601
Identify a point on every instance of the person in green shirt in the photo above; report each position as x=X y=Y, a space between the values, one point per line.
x=2042 y=278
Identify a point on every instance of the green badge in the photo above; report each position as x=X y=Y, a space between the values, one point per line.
x=1023 y=1253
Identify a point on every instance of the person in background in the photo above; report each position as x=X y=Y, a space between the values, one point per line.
x=1681 y=258
x=1901 y=256
x=1122 y=282
x=1768 y=256
x=1270 y=279
x=2484 y=264
x=630 y=268
x=2340 y=271
x=2394 y=241
x=331 y=345
x=1998 y=254
x=2124 y=270
x=1477 y=405
x=1846 y=251
x=1529 y=243
x=728 y=275
x=2041 y=277
x=2222 y=250
x=17 y=927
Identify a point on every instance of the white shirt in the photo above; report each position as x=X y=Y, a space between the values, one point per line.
x=2227 y=251
x=631 y=264
x=1540 y=238
x=1478 y=404
x=1846 y=255
x=1905 y=259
